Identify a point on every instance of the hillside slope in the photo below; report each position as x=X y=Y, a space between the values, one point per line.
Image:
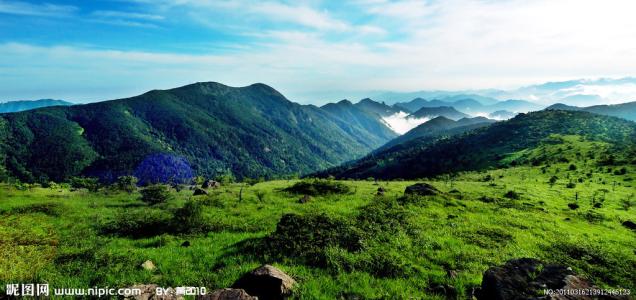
x=248 y=131
x=623 y=110
x=22 y=105
x=487 y=147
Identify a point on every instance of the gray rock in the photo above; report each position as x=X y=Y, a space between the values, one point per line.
x=200 y=191
x=266 y=282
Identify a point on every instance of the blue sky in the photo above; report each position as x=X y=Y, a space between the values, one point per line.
x=312 y=51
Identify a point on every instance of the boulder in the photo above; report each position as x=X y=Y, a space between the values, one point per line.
x=149 y=292
x=200 y=191
x=304 y=199
x=211 y=184
x=148 y=265
x=527 y=278
x=629 y=224
x=266 y=282
x=421 y=189
x=227 y=294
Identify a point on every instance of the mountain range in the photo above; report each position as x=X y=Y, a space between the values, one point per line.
x=488 y=146
x=623 y=110
x=22 y=105
x=251 y=131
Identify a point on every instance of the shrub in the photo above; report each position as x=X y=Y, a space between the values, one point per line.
x=189 y=218
x=573 y=206
x=553 y=180
x=572 y=167
x=89 y=183
x=126 y=183
x=141 y=222
x=570 y=185
x=307 y=237
x=48 y=208
x=512 y=195
x=318 y=187
x=155 y=194
x=621 y=171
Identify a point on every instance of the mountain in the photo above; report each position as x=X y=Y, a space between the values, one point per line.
x=482 y=96
x=488 y=147
x=623 y=110
x=251 y=131
x=22 y=105
x=444 y=111
x=365 y=125
x=471 y=106
x=436 y=127
x=381 y=109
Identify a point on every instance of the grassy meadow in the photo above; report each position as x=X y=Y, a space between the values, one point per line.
x=355 y=245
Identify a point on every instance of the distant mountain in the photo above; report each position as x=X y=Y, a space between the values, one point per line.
x=365 y=125
x=444 y=111
x=482 y=96
x=381 y=109
x=251 y=131
x=624 y=110
x=22 y=105
x=436 y=127
x=472 y=106
x=488 y=146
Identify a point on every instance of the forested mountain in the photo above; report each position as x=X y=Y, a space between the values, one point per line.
x=623 y=110
x=248 y=131
x=487 y=147
x=364 y=125
x=437 y=127
x=22 y=105
x=379 y=108
x=444 y=111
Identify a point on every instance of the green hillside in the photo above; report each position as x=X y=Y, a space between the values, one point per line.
x=623 y=110
x=250 y=131
x=22 y=105
x=364 y=125
x=489 y=147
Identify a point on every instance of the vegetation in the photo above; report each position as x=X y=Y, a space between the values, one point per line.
x=353 y=243
x=248 y=132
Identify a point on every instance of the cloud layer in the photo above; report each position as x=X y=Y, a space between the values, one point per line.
x=315 y=51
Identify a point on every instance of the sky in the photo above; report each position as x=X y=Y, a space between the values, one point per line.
x=311 y=51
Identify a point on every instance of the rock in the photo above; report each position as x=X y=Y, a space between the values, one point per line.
x=266 y=282
x=185 y=244
x=304 y=199
x=200 y=191
x=227 y=294
x=149 y=292
x=211 y=184
x=526 y=278
x=381 y=191
x=452 y=274
x=629 y=224
x=421 y=189
x=148 y=265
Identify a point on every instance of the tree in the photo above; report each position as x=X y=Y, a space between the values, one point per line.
x=164 y=168
x=126 y=183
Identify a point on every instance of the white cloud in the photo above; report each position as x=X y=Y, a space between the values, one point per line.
x=401 y=123
x=42 y=10
x=126 y=15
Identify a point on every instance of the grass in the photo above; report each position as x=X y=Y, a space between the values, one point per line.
x=57 y=236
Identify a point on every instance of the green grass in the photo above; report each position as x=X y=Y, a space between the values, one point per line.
x=55 y=235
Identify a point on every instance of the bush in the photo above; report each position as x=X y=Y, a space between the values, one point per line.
x=553 y=180
x=189 y=218
x=126 y=183
x=48 y=208
x=308 y=236
x=155 y=194
x=318 y=187
x=572 y=167
x=570 y=185
x=89 y=183
x=141 y=222
x=512 y=195
x=573 y=206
